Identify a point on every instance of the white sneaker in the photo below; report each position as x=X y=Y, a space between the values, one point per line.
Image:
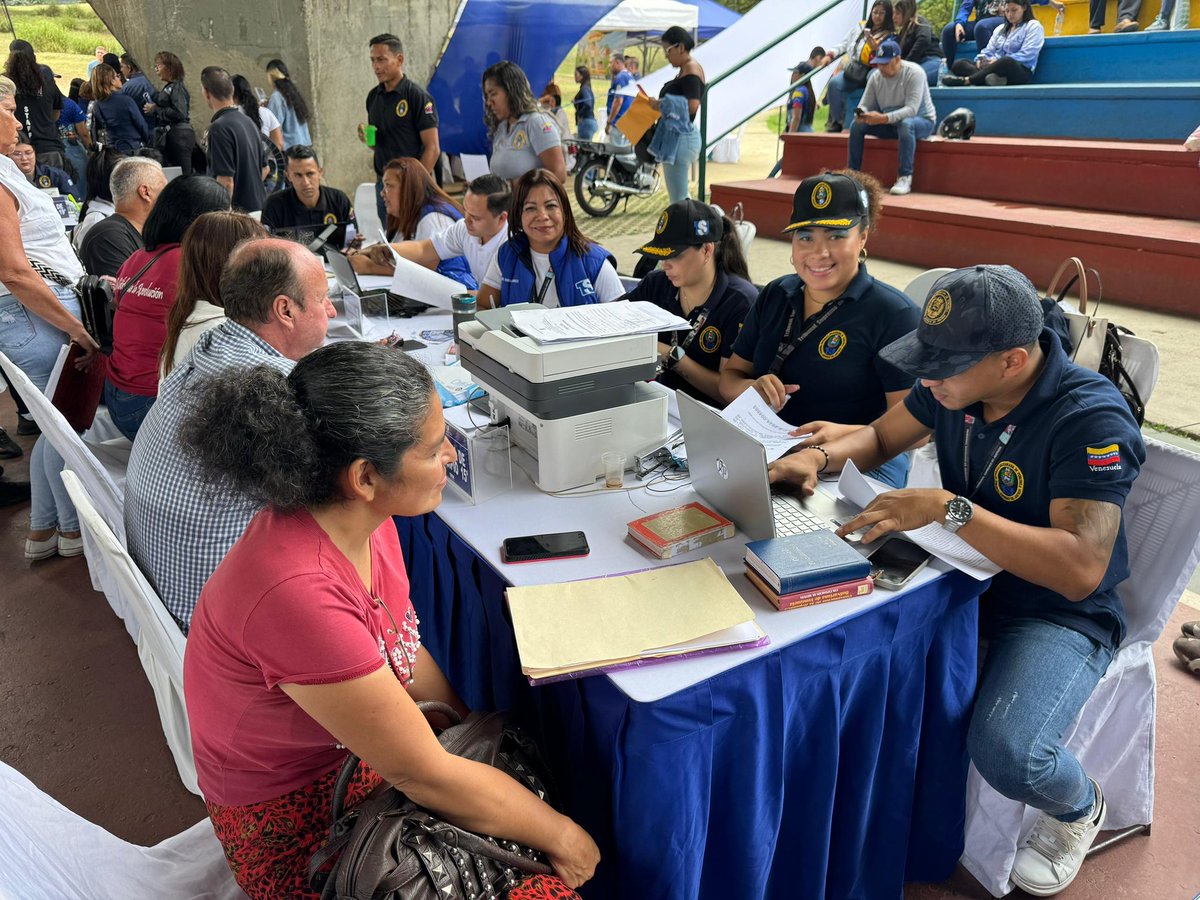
x=1054 y=851
x=903 y=185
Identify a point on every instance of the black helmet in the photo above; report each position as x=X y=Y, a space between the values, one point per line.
x=958 y=126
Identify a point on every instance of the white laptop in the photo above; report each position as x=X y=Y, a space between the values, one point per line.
x=729 y=471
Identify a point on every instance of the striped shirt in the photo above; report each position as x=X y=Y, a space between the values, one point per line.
x=178 y=526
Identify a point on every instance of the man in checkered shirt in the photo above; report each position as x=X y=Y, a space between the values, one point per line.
x=179 y=527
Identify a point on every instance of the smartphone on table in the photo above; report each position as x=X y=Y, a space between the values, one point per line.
x=896 y=562
x=535 y=547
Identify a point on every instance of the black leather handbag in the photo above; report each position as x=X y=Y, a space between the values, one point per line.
x=392 y=849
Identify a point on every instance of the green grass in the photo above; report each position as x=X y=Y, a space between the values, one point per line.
x=73 y=29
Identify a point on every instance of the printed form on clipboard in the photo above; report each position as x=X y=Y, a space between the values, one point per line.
x=950 y=548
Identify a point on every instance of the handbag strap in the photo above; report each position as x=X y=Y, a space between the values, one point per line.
x=142 y=271
x=1080 y=276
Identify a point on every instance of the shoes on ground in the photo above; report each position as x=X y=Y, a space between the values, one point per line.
x=954 y=81
x=9 y=449
x=27 y=426
x=1125 y=26
x=1159 y=24
x=1190 y=629
x=1054 y=851
x=995 y=80
x=1093 y=31
x=70 y=546
x=903 y=185
x=55 y=545
x=1188 y=651
x=833 y=127
x=13 y=492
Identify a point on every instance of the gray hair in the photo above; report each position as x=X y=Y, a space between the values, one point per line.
x=7 y=87
x=130 y=174
x=284 y=440
x=257 y=271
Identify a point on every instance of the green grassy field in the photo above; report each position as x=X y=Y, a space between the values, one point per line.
x=64 y=35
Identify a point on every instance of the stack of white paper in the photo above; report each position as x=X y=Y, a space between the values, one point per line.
x=596 y=320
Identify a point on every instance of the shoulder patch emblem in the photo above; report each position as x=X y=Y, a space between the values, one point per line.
x=1104 y=459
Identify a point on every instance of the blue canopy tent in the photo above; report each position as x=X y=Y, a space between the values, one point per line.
x=536 y=35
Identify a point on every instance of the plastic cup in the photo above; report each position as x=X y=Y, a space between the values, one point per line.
x=369 y=135
x=614 y=469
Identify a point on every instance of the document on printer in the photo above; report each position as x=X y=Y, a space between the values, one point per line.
x=596 y=320
x=750 y=414
x=932 y=537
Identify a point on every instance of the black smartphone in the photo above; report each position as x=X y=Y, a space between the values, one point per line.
x=895 y=562
x=859 y=112
x=534 y=547
x=396 y=342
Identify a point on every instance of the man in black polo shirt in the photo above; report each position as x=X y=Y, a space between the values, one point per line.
x=308 y=207
x=236 y=157
x=401 y=113
x=135 y=184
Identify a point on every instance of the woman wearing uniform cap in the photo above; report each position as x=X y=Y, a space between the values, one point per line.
x=704 y=279
x=810 y=344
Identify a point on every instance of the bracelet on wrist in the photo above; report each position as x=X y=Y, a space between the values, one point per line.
x=821 y=450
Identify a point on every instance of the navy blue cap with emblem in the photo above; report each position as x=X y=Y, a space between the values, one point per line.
x=829 y=201
x=968 y=314
x=688 y=223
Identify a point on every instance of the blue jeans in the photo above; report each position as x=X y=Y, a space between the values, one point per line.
x=907 y=131
x=838 y=93
x=127 y=410
x=587 y=128
x=678 y=173
x=33 y=345
x=932 y=66
x=1036 y=677
x=981 y=31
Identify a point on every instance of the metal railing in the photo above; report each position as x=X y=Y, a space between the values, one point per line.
x=812 y=17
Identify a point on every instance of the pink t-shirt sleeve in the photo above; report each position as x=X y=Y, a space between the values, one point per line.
x=308 y=630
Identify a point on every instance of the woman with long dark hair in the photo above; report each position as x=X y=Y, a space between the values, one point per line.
x=264 y=120
x=678 y=101
x=523 y=137
x=417 y=209
x=288 y=105
x=206 y=246
x=917 y=43
x=115 y=114
x=37 y=98
x=704 y=279
x=172 y=108
x=1010 y=56
x=547 y=259
x=860 y=45
x=585 y=105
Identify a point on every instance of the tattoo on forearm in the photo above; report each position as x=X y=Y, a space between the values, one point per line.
x=1096 y=521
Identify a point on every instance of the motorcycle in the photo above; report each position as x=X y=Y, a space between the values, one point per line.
x=604 y=174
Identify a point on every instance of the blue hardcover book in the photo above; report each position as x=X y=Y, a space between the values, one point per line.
x=802 y=561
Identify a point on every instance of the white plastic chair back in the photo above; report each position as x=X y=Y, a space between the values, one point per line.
x=49 y=852
x=474 y=165
x=365 y=212
x=160 y=642
x=100 y=466
x=1113 y=737
x=1141 y=361
x=729 y=148
x=918 y=288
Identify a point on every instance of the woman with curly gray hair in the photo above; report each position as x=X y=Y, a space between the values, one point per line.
x=523 y=137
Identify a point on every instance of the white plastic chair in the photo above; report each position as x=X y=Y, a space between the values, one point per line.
x=47 y=852
x=160 y=643
x=918 y=288
x=365 y=212
x=1114 y=734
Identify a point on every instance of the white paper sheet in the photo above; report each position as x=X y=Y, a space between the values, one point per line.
x=596 y=320
x=948 y=547
x=750 y=413
x=416 y=282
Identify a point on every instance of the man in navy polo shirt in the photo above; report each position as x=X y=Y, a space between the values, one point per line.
x=1037 y=456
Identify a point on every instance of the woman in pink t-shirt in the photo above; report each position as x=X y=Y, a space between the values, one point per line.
x=144 y=295
x=304 y=641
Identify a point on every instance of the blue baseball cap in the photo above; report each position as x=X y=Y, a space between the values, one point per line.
x=888 y=51
x=968 y=314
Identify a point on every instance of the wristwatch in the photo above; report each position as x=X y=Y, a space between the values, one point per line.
x=675 y=356
x=958 y=513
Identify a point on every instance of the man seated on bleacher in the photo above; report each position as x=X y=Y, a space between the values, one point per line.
x=178 y=527
x=1036 y=456
x=896 y=104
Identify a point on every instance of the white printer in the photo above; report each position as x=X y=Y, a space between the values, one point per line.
x=567 y=403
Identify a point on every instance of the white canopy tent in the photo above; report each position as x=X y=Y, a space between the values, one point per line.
x=650 y=15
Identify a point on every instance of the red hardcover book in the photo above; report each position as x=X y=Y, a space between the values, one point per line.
x=859 y=587
x=680 y=530
x=76 y=394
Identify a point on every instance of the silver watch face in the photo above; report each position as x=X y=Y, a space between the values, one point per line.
x=959 y=509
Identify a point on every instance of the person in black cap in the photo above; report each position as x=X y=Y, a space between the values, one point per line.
x=810 y=344
x=1037 y=456
x=895 y=105
x=704 y=279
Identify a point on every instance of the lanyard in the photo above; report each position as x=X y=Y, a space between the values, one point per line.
x=1001 y=442
x=698 y=326
x=541 y=295
x=787 y=345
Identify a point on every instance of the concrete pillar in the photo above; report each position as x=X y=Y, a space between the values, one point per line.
x=323 y=42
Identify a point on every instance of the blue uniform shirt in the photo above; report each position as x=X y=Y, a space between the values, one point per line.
x=620 y=80
x=727 y=305
x=1074 y=437
x=841 y=377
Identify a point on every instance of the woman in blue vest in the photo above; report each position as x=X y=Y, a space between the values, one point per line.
x=417 y=209
x=547 y=259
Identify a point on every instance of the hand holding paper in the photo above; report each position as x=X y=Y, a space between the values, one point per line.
x=750 y=413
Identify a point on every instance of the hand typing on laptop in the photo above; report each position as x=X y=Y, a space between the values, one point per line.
x=903 y=510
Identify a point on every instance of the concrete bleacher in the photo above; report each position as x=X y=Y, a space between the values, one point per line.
x=1126 y=200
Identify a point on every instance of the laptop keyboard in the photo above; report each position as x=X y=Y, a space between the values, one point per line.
x=791 y=519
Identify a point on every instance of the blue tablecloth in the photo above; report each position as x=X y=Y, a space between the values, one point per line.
x=834 y=767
